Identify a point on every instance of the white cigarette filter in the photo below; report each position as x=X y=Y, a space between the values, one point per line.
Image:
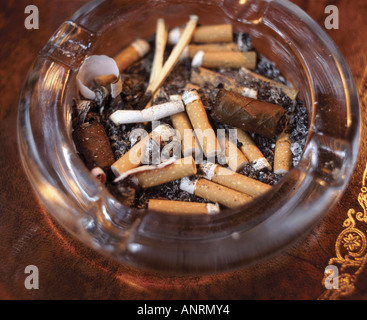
x=205 y=34
x=153 y=113
x=200 y=122
x=133 y=158
x=232 y=180
x=227 y=59
x=181 y=168
x=181 y=122
x=234 y=157
x=183 y=207
x=283 y=154
x=252 y=152
x=215 y=192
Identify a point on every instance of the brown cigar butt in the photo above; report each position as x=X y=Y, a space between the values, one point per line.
x=200 y=122
x=93 y=144
x=220 y=194
x=228 y=59
x=184 y=167
x=248 y=114
x=251 y=151
x=182 y=207
x=235 y=159
x=235 y=181
x=283 y=155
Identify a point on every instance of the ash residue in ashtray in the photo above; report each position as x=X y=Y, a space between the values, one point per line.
x=206 y=79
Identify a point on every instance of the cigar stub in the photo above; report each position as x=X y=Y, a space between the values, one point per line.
x=131 y=54
x=93 y=144
x=283 y=154
x=182 y=207
x=232 y=180
x=212 y=47
x=252 y=152
x=214 y=192
x=235 y=159
x=200 y=122
x=248 y=114
x=181 y=168
x=227 y=59
x=206 y=34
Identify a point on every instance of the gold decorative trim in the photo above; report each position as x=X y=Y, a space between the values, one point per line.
x=350 y=248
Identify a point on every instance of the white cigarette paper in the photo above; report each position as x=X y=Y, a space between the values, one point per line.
x=153 y=113
x=92 y=67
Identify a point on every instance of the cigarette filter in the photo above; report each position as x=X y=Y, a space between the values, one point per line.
x=215 y=193
x=227 y=59
x=232 y=180
x=248 y=114
x=200 y=122
x=184 y=167
x=205 y=34
x=235 y=159
x=136 y=50
x=93 y=144
x=212 y=47
x=252 y=152
x=182 y=207
x=283 y=155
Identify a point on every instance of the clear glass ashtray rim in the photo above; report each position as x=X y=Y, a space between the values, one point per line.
x=351 y=91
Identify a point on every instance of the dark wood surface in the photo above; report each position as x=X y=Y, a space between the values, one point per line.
x=68 y=270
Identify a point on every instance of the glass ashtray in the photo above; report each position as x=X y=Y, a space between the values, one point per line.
x=179 y=244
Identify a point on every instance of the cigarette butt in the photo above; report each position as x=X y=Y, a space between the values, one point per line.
x=189 y=145
x=289 y=91
x=182 y=207
x=133 y=158
x=252 y=152
x=215 y=192
x=206 y=34
x=227 y=59
x=232 y=180
x=200 y=122
x=216 y=47
x=136 y=50
x=92 y=142
x=235 y=159
x=184 y=167
x=153 y=113
x=202 y=76
x=283 y=154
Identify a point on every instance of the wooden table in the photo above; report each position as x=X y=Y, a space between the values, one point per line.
x=69 y=270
